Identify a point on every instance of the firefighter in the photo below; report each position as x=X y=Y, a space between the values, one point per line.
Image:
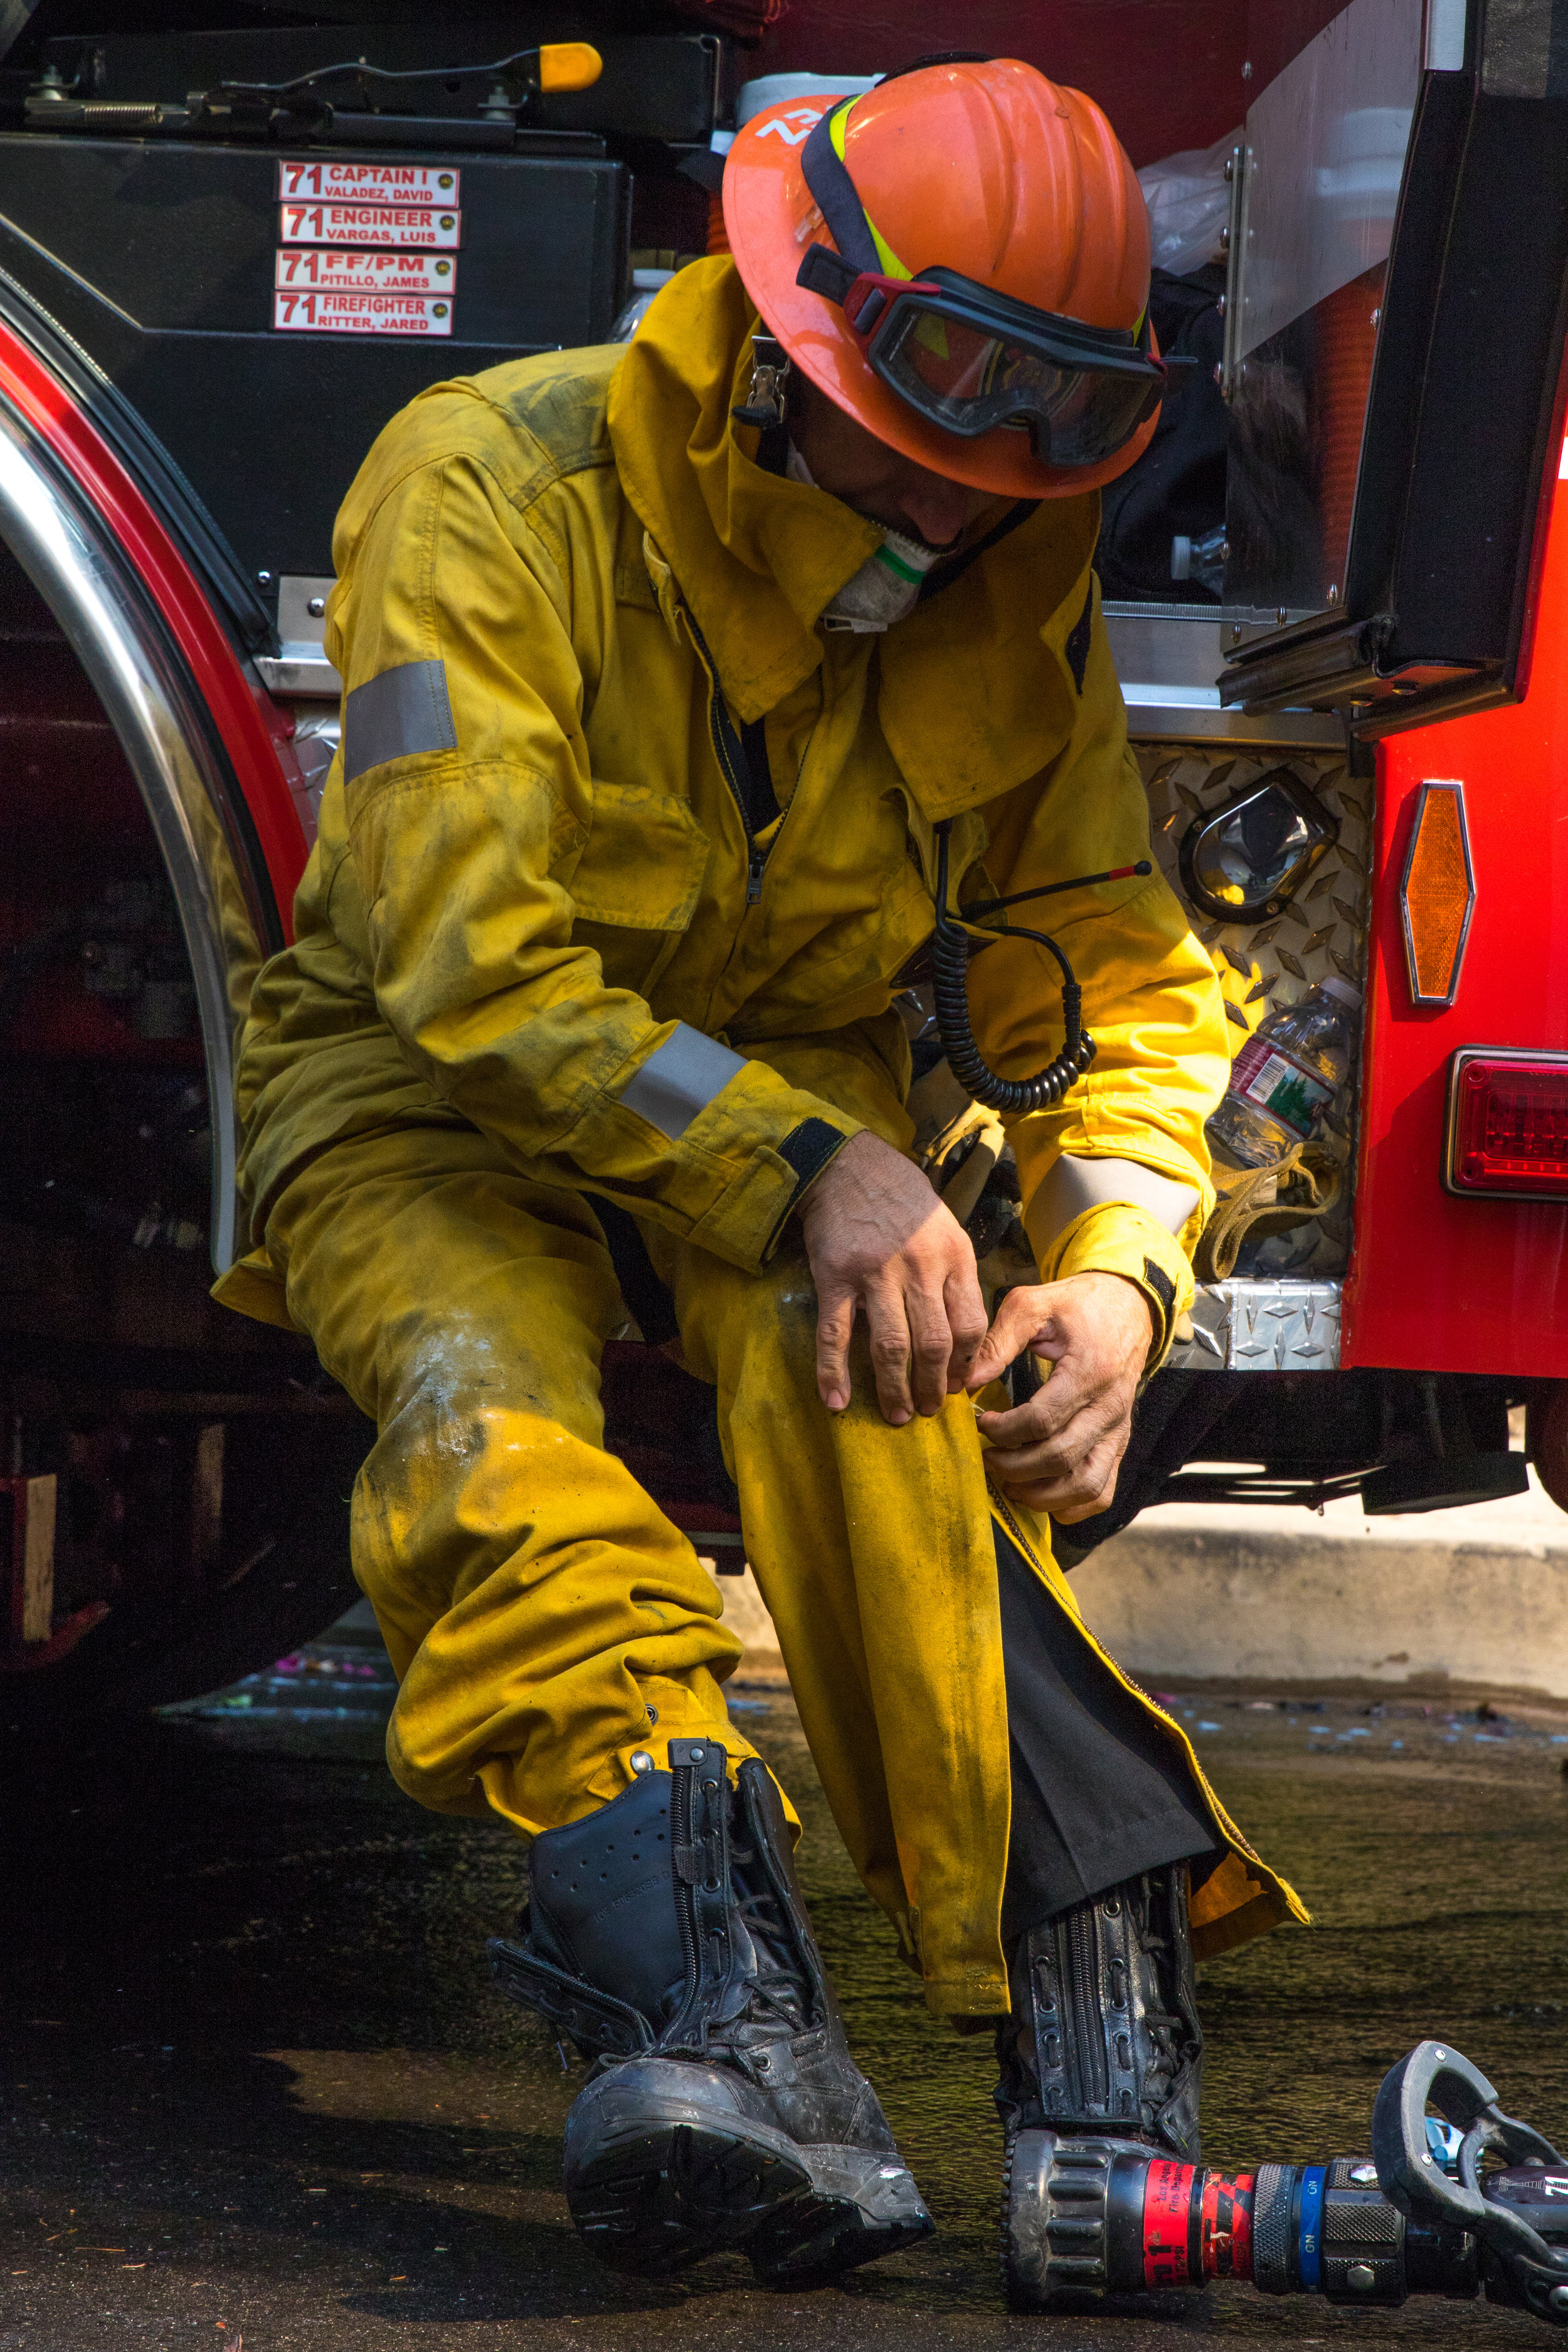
x=672 y=671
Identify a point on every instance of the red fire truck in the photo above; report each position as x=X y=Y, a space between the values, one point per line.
x=1337 y=586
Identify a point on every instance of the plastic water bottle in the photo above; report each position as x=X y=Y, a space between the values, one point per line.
x=1287 y=1075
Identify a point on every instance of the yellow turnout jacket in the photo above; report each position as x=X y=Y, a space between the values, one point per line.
x=535 y=892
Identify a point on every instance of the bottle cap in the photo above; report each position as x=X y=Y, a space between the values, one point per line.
x=1343 y=990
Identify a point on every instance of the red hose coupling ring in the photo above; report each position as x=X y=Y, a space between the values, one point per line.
x=1198 y=2225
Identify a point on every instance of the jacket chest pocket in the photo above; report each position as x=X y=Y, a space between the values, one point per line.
x=636 y=882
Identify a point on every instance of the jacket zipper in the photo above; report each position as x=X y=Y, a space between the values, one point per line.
x=756 y=860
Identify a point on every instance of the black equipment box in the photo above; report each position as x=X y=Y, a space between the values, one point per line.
x=162 y=259
x=663 y=87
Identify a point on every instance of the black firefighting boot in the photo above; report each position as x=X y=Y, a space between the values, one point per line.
x=666 y=1936
x=1100 y=2062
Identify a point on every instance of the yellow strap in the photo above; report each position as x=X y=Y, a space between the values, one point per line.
x=891 y=266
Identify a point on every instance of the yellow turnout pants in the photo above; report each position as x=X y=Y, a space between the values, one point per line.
x=546 y=1619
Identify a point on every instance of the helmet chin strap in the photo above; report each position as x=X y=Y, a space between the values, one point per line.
x=771 y=369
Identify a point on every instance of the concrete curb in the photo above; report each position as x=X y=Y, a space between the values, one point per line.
x=1240 y=1608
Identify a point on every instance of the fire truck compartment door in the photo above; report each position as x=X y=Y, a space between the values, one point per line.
x=1398 y=260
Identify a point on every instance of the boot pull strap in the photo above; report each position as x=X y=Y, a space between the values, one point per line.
x=699 y=1858
x=596 y=2021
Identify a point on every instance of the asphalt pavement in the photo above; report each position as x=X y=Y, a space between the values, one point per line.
x=256 y=2093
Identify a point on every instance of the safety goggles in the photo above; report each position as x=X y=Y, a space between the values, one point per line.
x=965 y=357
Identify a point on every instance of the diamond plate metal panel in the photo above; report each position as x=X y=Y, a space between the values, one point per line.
x=1278 y=960
x=1261 y=1326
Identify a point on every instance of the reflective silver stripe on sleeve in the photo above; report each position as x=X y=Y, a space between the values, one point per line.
x=1075 y=1185
x=404 y=710
x=680 y=1079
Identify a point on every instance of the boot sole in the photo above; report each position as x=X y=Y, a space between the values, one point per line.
x=860 y=2206
x=656 y=2192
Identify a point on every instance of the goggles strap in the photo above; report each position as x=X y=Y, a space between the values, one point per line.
x=827 y=177
x=827 y=273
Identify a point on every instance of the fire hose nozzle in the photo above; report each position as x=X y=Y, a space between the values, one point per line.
x=1518 y=2212
x=1418 y=2217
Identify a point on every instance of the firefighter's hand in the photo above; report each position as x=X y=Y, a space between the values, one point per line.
x=1060 y=1453
x=879 y=1238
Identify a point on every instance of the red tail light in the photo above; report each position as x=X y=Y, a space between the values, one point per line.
x=1508 y=1124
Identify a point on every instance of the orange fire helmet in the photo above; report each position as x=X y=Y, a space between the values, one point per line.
x=960 y=258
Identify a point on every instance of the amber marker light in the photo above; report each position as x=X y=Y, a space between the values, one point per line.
x=1508 y=1124
x=1437 y=896
x=569 y=65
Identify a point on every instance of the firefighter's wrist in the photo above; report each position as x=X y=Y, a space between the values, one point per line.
x=1126 y=1282
x=808 y=1151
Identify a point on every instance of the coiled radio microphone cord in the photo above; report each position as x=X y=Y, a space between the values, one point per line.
x=950 y=963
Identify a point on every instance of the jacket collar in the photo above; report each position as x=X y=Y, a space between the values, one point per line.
x=976 y=691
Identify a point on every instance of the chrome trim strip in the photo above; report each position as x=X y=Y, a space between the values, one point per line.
x=72 y=560
x=1239 y=180
x=1153 y=717
x=306 y=675
x=1524 y=1054
x=1168 y=658
x=1429 y=786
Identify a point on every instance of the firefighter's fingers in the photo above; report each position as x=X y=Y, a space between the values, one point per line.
x=931 y=1341
x=888 y=1323
x=965 y=1307
x=1042 y=1421
x=1021 y=1445
x=1092 y=1329
x=943 y=1306
x=1068 y=1386
x=1022 y=1316
x=875 y=1230
x=1080 y=1491
x=1066 y=1441
x=834 y=1324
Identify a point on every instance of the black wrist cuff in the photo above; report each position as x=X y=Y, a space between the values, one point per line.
x=806 y=1149
x=1159 y=1287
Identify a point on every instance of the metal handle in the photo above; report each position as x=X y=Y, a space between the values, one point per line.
x=1411 y=2178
